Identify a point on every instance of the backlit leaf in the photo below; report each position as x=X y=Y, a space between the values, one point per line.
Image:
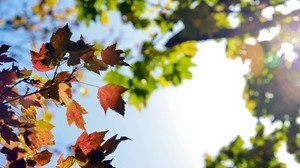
x=112 y=57
x=110 y=97
x=74 y=114
x=42 y=158
x=37 y=58
x=89 y=142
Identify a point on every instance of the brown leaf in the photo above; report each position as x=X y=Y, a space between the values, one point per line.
x=65 y=76
x=110 y=97
x=61 y=37
x=74 y=114
x=112 y=57
x=42 y=158
x=89 y=142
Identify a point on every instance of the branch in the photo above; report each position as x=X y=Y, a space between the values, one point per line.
x=251 y=28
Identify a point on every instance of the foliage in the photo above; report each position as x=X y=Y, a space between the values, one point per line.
x=25 y=134
x=272 y=86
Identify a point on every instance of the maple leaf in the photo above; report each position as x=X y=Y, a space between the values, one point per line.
x=4 y=48
x=42 y=135
x=86 y=143
x=79 y=50
x=110 y=97
x=37 y=60
x=7 y=133
x=112 y=143
x=65 y=76
x=95 y=65
x=4 y=58
x=65 y=92
x=112 y=57
x=74 y=114
x=61 y=37
x=65 y=163
x=42 y=158
x=29 y=101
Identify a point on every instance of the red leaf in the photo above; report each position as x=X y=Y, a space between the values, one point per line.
x=42 y=158
x=110 y=96
x=74 y=114
x=37 y=58
x=112 y=57
x=89 y=142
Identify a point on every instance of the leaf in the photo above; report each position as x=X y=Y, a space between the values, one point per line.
x=65 y=76
x=42 y=135
x=74 y=114
x=65 y=92
x=37 y=59
x=112 y=143
x=112 y=57
x=61 y=37
x=110 y=97
x=42 y=158
x=79 y=50
x=4 y=58
x=4 y=48
x=95 y=65
x=104 y=17
x=89 y=142
x=65 y=163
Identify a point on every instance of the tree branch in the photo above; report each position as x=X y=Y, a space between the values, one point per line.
x=251 y=28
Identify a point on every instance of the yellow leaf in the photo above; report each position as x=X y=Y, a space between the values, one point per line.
x=189 y=48
x=163 y=82
x=104 y=18
x=51 y=3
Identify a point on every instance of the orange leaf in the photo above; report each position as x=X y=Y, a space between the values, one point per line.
x=37 y=58
x=42 y=158
x=74 y=114
x=65 y=163
x=65 y=76
x=110 y=96
x=89 y=142
x=112 y=57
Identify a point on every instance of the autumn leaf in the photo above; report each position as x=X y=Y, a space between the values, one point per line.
x=42 y=158
x=4 y=58
x=65 y=76
x=65 y=163
x=74 y=114
x=4 y=48
x=61 y=37
x=37 y=60
x=110 y=97
x=79 y=50
x=112 y=57
x=42 y=134
x=89 y=142
x=112 y=143
x=65 y=92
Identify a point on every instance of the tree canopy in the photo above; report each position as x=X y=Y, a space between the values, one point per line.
x=257 y=31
